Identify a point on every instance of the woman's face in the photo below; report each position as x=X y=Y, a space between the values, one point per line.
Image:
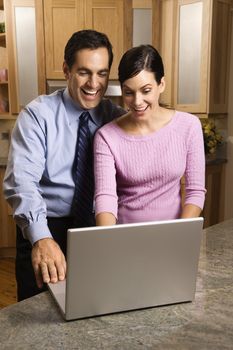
x=141 y=94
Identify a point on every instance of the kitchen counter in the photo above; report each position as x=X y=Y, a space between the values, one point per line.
x=206 y=323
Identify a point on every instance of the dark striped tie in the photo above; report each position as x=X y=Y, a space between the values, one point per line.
x=82 y=206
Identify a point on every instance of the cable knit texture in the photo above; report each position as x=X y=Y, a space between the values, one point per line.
x=137 y=178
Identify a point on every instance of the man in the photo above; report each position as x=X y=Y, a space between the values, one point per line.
x=41 y=175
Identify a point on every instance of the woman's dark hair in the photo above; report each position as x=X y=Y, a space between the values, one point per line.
x=86 y=39
x=143 y=57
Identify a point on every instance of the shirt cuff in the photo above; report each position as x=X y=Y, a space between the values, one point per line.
x=36 y=231
x=106 y=203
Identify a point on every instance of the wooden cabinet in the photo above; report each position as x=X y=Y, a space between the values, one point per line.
x=7 y=94
x=166 y=46
x=19 y=55
x=213 y=211
x=62 y=18
x=192 y=55
x=4 y=90
x=220 y=56
x=195 y=46
x=7 y=225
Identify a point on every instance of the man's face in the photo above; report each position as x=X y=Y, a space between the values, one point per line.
x=88 y=77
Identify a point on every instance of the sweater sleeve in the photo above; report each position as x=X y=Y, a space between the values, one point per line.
x=106 y=199
x=195 y=167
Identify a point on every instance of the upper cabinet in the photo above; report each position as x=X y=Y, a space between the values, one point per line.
x=5 y=101
x=166 y=27
x=196 y=50
x=62 y=18
x=220 y=56
x=18 y=59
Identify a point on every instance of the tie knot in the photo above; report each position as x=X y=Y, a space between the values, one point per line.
x=84 y=117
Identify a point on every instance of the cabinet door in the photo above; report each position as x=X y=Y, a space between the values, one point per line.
x=108 y=17
x=192 y=55
x=167 y=36
x=11 y=90
x=7 y=225
x=61 y=19
x=220 y=56
x=213 y=211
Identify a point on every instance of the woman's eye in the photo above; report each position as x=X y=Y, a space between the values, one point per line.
x=127 y=93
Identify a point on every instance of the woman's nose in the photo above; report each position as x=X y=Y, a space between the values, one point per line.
x=138 y=99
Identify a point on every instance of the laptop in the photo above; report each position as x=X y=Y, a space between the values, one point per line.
x=131 y=266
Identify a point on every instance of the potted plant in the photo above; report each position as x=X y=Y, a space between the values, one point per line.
x=212 y=138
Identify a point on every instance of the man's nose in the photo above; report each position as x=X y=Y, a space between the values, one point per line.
x=93 y=81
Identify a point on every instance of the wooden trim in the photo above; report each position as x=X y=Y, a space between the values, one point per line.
x=23 y=3
x=222 y=106
x=128 y=25
x=168 y=16
x=142 y=4
x=8 y=116
x=156 y=23
x=40 y=47
x=12 y=58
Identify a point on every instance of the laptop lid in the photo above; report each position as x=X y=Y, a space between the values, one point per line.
x=132 y=266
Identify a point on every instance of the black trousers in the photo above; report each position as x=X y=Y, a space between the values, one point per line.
x=25 y=278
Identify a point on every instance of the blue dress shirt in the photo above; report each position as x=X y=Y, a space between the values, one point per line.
x=39 y=179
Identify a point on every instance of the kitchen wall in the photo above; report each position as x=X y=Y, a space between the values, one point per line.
x=229 y=166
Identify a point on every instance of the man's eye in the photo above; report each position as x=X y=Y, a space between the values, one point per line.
x=82 y=73
x=147 y=91
x=103 y=74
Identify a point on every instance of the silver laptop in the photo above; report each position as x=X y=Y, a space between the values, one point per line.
x=131 y=266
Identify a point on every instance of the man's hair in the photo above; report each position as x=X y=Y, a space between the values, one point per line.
x=86 y=39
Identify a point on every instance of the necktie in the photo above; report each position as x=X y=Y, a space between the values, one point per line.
x=82 y=206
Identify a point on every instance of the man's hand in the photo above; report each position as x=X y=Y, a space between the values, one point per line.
x=48 y=262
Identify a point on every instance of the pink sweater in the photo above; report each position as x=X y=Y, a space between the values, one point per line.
x=138 y=177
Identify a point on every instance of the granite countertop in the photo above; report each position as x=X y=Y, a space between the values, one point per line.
x=206 y=323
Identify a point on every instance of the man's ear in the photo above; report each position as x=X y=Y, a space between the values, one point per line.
x=66 y=70
x=162 y=85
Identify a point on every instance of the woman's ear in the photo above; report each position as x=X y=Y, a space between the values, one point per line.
x=66 y=70
x=162 y=85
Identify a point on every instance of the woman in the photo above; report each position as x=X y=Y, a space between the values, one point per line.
x=141 y=157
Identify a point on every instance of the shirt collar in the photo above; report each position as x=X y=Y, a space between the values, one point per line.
x=74 y=110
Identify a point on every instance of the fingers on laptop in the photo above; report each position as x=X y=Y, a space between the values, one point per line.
x=48 y=262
